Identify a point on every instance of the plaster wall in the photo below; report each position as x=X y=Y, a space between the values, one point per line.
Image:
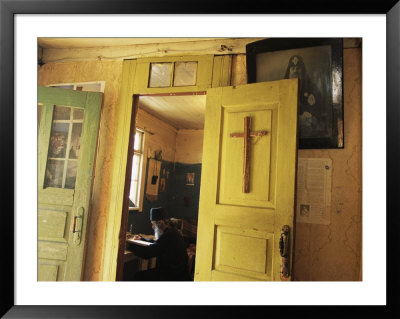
x=158 y=136
x=110 y=72
x=333 y=252
x=189 y=146
x=322 y=253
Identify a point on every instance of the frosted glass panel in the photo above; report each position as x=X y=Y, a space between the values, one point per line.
x=71 y=174
x=185 y=73
x=75 y=144
x=89 y=87
x=61 y=113
x=66 y=132
x=54 y=173
x=58 y=140
x=160 y=75
x=78 y=114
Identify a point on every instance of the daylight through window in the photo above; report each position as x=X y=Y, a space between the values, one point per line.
x=134 y=193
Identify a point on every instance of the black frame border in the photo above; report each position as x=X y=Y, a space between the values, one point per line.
x=8 y=10
x=282 y=44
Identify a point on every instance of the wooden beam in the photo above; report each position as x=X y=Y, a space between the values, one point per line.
x=215 y=47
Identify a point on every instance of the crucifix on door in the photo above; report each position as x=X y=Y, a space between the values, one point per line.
x=246 y=152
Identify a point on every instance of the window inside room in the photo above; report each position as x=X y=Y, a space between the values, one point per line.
x=137 y=164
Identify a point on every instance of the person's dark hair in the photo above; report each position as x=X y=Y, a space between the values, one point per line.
x=158 y=213
x=299 y=63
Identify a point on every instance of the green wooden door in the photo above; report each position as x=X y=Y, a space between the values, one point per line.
x=67 y=136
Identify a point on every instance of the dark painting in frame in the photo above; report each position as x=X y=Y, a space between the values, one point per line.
x=318 y=63
x=10 y=9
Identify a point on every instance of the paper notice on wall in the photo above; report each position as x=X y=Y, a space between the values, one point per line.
x=314 y=178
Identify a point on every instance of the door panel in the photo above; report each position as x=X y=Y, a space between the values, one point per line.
x=52 y=224
x=243 y=252
x=232 y=157
x=67 y=137
x=47 y=272
x=244 y=206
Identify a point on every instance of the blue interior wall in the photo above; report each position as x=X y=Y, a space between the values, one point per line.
x=180 y=200
x=186 y=197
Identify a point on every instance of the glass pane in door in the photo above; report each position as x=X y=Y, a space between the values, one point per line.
x=66 y=132
x=54 y=173
x=58 y=140
x=75 y=144
x=71 y=174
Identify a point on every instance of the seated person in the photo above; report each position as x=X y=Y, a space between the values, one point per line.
x=169 y=248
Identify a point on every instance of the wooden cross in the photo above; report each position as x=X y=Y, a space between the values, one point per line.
x=246 y=153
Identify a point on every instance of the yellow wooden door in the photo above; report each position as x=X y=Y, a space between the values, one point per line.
x=67 y=135
x=240 y=226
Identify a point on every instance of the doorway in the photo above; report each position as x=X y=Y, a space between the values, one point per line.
x=213 y=71
x=163 y=169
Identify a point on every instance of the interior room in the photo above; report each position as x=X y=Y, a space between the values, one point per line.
x=166 y=171
x=182 y=145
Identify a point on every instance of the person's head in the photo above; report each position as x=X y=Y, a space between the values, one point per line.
x=295 y=68
x=158 y=218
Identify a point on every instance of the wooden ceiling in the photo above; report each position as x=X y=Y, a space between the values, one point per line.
x=182 y=112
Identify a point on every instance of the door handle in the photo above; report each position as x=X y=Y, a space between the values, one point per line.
x=77 y=225
x=284 y=249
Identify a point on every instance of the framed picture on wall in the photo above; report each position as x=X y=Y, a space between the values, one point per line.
x=190 y=179
x=318 y=64
x=162 y=184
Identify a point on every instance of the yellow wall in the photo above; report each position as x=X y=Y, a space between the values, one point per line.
x=331 y=252
x=162 y=137
x=189 y=146
x=110 y=72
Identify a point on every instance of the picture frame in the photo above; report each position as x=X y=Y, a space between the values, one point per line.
x=10 y=303
x=190 y=179
x=318 y=63
x=162 y=184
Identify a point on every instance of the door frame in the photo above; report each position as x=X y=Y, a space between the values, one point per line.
x=213 y=71
x=128 y=173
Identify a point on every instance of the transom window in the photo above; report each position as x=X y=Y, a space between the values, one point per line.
x=167 y=74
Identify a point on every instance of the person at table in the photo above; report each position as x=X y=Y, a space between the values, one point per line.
x=169 y=248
